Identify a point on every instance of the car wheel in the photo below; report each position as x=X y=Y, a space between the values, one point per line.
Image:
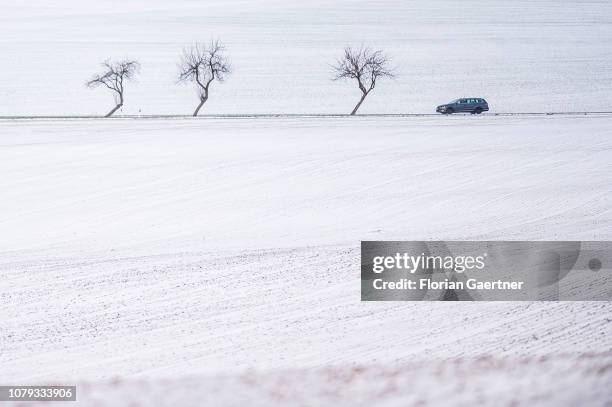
x=478 y=110
x=450 y=110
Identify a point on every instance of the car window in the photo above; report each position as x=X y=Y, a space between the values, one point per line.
x=462 y=101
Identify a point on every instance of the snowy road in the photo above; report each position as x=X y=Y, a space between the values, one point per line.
x=156 y=248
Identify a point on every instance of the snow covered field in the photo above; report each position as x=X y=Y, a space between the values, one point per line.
x=182 y=262
x=522 y=55
x=226 y=252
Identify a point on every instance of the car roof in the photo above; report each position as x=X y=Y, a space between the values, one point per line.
x=454 y=100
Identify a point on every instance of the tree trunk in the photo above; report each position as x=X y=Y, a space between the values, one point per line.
x=202 y=101
x=359 y=104
x=109 y=114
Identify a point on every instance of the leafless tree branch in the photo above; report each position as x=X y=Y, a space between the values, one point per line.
x=202 y=64
x=113 y=77
x=365 y=66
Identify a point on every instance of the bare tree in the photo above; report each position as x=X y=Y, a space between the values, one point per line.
x=114 y=76
x=365 y=66
x=203 y=64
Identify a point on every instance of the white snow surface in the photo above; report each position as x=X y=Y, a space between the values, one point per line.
x=201 y=249
x=522 y=55
x=562 y=380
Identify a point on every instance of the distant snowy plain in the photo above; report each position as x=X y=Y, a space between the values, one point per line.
x=523 y=55
x=225 y=252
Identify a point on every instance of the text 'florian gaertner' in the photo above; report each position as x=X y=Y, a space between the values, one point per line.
x=458 y=264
